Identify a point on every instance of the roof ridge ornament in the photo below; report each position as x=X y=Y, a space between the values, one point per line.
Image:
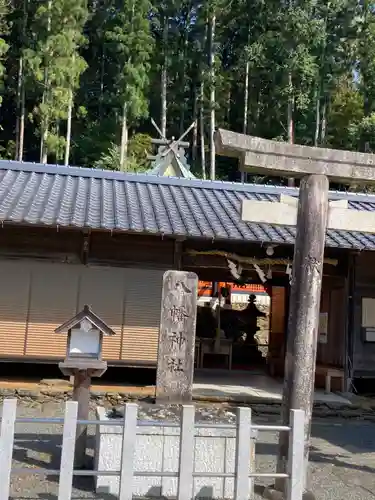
x=171 y=152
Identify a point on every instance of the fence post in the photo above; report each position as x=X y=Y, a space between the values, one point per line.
x=67 y=451
x=296 y=456
x=129 y=437
x=243 y=454
x=186 y=459
x=6 y=445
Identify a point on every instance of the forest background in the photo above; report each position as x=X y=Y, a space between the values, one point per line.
x=80 y=80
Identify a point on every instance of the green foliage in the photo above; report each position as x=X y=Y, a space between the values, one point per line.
x=110 y=159
x=55 y=65
x=345 y=116
x=4 y=47
x=7 y=153
x=139 y=148
x=363 y=132
x=108 y=57
x=130 y=45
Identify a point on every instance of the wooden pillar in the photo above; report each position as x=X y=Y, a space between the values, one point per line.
x=286 y=308
x=218 y=322
x=350 y=321
x=81 y=394
x=178 y=252
x=304 y=308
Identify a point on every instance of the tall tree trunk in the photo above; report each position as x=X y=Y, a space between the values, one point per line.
x=20 y=124
x=320 y=86
x=58 y=155
x=246 y=98
x=164 y=78
x=365 y=62
x=201 y=127
x=201 y=101
x=259 y=103
x=19 y=109
x=68 y=128
x=44 y=126
x=194 y=151
x=317 y=119
x=102 y=73
x=124 y=138
x=44 y=147
x=45 y=119
x=245 y=108
x=246 y=92
x=41 y=148
x=229 y=105
x=183 y=71
x=212 y=96
x=323 y=126
x=290 y=117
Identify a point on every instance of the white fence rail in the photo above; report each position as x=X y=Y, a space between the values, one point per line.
x=130 y=426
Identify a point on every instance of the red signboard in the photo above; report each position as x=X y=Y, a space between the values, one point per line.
x=205 y=288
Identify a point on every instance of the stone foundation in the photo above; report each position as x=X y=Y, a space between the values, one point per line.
x=364 y=410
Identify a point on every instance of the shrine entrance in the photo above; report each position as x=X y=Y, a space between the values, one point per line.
x=241 y=326
x=256 y=369
x=233 y=324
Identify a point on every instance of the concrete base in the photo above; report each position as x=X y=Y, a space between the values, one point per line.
x=157 y=449
x=250 y=387
x=271 y=494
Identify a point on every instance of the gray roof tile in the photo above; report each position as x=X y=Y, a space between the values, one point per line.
x=76 y=197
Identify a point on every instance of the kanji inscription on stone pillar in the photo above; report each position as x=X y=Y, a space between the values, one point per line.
x=175 y=369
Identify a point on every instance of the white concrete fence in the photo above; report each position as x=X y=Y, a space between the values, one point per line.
x=129 y=427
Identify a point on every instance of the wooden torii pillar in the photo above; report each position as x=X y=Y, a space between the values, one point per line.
x=312 y=214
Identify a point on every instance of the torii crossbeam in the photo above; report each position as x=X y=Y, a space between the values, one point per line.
x=263 y=156
x=312 y=217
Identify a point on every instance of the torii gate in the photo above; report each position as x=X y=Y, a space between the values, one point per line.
x=312 y=216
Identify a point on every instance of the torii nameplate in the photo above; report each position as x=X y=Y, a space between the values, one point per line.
x=271 y=157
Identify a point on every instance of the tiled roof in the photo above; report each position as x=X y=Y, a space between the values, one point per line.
x=76 y=197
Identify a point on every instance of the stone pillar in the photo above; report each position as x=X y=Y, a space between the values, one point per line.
x=175 y=369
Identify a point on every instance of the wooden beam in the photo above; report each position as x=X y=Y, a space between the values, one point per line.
x=166 y=142
x=264 y=156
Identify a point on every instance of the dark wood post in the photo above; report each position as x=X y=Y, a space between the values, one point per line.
x=304 y=309
x=81 y=394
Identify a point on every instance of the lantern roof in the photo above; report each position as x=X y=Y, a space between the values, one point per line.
x=86 y=315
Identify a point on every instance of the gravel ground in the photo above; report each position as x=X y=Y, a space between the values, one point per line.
x=342 y=455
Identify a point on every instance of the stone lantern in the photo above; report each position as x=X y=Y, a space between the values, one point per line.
x=83 y=360
x=85 y=342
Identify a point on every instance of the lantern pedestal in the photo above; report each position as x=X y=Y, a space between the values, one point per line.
x=82 y=371
x=70 y=366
